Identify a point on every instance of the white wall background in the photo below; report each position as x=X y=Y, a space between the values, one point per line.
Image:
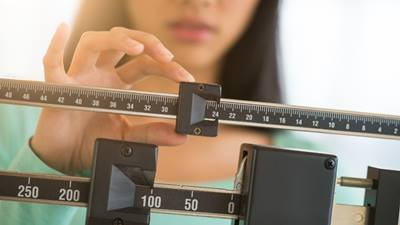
x=26 y=28
x=335 y=53
x=345 y=54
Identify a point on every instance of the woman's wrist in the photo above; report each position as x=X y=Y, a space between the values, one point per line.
x=32 y=146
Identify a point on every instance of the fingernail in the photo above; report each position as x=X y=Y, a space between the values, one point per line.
x=63 y=28
x=138 y=48
x=191 y=78
x=165 y=52
x=134 y=46
x=186 y=75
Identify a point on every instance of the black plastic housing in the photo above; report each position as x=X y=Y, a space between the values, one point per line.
x=192 y=109
x=117 y=169
x=284 y=187
x=384 y=198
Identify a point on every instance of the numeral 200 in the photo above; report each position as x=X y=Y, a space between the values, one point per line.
x=69 y=195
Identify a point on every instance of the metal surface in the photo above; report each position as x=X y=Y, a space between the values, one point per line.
x=228 y=111
x=74 y=191
x=355 y=182
x=238 y=183
x=350 y=215
x=342 y=214
x=174 y=199
x=43 y=188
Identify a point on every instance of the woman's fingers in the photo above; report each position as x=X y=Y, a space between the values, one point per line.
x=143 y=66
x=153 y=46
x=155 y=133
x=106 y=48
x=53 y=61
x=109 y=59
x=93 y=43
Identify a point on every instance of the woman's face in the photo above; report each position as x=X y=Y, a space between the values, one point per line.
x=198 y=32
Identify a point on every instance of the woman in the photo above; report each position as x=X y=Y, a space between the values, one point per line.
x=218 y=41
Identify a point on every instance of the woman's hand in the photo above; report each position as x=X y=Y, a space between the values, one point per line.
x=64 y=139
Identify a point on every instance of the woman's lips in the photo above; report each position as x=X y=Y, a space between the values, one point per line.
x=189 y=31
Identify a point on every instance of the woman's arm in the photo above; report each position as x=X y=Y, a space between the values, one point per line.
x=17 y=124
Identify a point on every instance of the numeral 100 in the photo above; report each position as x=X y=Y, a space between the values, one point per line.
x=151 y=201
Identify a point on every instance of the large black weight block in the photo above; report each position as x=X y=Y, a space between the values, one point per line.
x=384 y=198
x=286 y=187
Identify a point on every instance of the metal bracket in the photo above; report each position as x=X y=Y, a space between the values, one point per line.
x=192 y=109
x=117 y=169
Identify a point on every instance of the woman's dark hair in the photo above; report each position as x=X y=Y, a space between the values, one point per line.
x=250 y=70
